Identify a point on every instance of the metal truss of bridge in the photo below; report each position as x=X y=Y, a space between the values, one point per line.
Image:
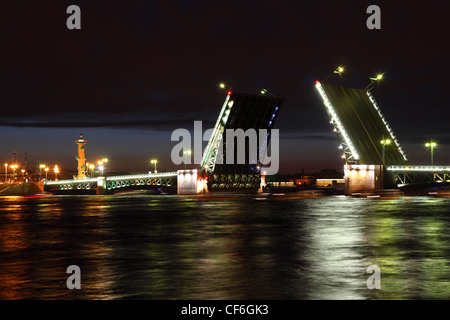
x=360 y=126
x=111 y=184
x=73 y=184
x=408 y=175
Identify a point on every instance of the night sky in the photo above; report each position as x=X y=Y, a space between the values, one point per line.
x=137 y=70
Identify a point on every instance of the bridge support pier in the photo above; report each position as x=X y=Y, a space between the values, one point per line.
x=190 y=182
x=363 y=178
x=101 y=186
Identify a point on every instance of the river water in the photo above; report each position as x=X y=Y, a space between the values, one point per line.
x=224 y=247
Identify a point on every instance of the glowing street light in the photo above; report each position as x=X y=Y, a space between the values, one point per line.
x=431 y=145
x=222 y=85
x=92 y=167
x=339 y=70
x=101 y=164
x=384 y=143
x=6 y=172
x=264 y=91
x=379 y=77
x=46 y=173
x=56 y=170
x=23 y=174
x=14 y=167
x=154 y=161
x=41 y=166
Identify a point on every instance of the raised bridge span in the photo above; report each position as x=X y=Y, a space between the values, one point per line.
x=214 y=173
x=372 y=155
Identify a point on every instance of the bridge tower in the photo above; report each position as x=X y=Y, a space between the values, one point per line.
x=81 y=157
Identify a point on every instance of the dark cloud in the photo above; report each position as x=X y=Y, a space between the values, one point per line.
x=154 y=125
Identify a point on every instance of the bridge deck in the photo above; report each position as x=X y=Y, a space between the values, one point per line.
x=419 y=168
x=413 y=175
x=115 y=178
x=361 y=125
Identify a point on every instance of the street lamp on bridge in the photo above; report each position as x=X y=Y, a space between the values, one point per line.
x=379 y=77
x=431 y=145
x=384 y=143
x=41 y=166
x=56 y=170
x=224 y=86
x=339 y=70
x=101 y=164
x=264 y=91
x=14 y=167
x=154 y=161
x=101 y=168
x=6 y=172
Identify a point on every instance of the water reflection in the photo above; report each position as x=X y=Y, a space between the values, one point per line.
x=335 y=248
x=410 y=246
x=223 y=247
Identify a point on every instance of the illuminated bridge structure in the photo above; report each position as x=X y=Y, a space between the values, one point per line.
x=409 y=175
x=360 y=127
x=373 y=156
x=240 y=112
x=215 y=173
x=102 y=185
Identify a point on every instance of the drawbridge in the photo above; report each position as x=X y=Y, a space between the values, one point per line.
x=252 y=114
x=373 y=156
x=216 y=172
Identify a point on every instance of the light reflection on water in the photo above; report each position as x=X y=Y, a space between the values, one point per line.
x=224 y=247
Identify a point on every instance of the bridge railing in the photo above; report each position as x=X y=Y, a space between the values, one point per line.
x=71 y=181
x=142 y=176
x=419 y=168
x=114 y=178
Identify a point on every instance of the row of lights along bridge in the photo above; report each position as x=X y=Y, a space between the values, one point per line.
x=385 y=142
